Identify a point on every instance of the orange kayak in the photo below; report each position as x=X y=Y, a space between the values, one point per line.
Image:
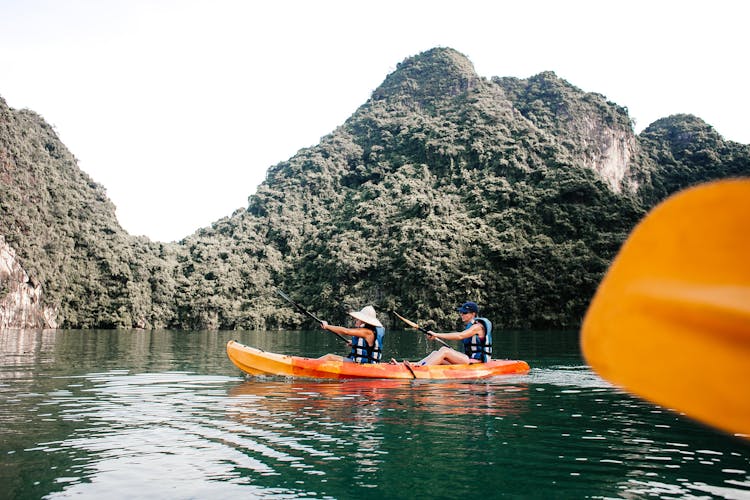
x=258 y=362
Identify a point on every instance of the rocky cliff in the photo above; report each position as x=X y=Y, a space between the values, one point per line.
x=21 y=304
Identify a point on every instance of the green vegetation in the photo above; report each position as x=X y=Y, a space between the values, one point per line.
x=442 y=187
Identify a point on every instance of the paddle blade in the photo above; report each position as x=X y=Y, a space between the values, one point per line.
x=670 y=322
x=408 y=322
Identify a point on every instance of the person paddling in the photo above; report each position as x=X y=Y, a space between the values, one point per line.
x=367 y=337
x=476 y=338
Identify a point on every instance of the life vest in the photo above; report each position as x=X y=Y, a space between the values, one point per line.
x=476 y=347
x=362 y=352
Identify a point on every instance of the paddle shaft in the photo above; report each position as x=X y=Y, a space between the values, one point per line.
x=420 y=328
x=308 y=313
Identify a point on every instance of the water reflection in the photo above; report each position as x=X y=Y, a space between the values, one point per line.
x=342 y=399
x=357 y=421
x=23 y=347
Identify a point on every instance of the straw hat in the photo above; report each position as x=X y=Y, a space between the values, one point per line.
x=367 y=314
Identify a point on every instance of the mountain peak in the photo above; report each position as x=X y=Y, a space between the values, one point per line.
x=434 y=74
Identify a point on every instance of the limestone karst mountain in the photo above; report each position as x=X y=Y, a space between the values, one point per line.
x=443 y=186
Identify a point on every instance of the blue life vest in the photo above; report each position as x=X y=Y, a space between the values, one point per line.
x=476 y=347
x=362 y=352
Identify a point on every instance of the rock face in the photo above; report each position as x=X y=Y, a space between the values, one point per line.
x=20 y=299
x=611 y=151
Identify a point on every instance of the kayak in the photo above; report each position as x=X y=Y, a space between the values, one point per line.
x=255 y=361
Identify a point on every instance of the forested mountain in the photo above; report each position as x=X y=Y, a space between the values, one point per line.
x=442 y=187
x=65 y=234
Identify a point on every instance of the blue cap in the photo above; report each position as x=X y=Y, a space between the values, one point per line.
x=469 y=307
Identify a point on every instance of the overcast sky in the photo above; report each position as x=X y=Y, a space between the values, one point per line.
x=179 y=107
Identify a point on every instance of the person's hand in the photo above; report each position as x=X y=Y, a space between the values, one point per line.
x=430 y=334
x=324 y=325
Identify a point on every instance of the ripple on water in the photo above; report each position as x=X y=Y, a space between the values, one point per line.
x=168 y=431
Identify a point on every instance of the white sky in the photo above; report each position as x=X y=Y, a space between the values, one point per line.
x=179 y=107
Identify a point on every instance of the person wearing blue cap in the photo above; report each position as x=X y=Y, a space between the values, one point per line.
x=476 y=338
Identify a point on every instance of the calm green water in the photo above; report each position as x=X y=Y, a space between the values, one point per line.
x=133 y=414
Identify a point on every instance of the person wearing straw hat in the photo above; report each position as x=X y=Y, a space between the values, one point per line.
x=367 y=337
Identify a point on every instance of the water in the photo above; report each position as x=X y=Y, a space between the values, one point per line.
x=134 y=414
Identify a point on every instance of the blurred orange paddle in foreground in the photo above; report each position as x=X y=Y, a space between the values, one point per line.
x=670 y=321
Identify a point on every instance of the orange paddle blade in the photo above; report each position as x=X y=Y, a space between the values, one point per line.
x=670 y=322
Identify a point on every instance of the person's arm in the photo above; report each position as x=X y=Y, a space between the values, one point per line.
x=365 y=333
x=476 y=329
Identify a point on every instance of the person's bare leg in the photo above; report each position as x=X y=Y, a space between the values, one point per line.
x=445 y=356
x=434 y=358
x=453 y=357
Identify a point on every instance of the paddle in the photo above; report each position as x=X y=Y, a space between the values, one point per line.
x=420 y=328
x=308 y=313
x=671 y=319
